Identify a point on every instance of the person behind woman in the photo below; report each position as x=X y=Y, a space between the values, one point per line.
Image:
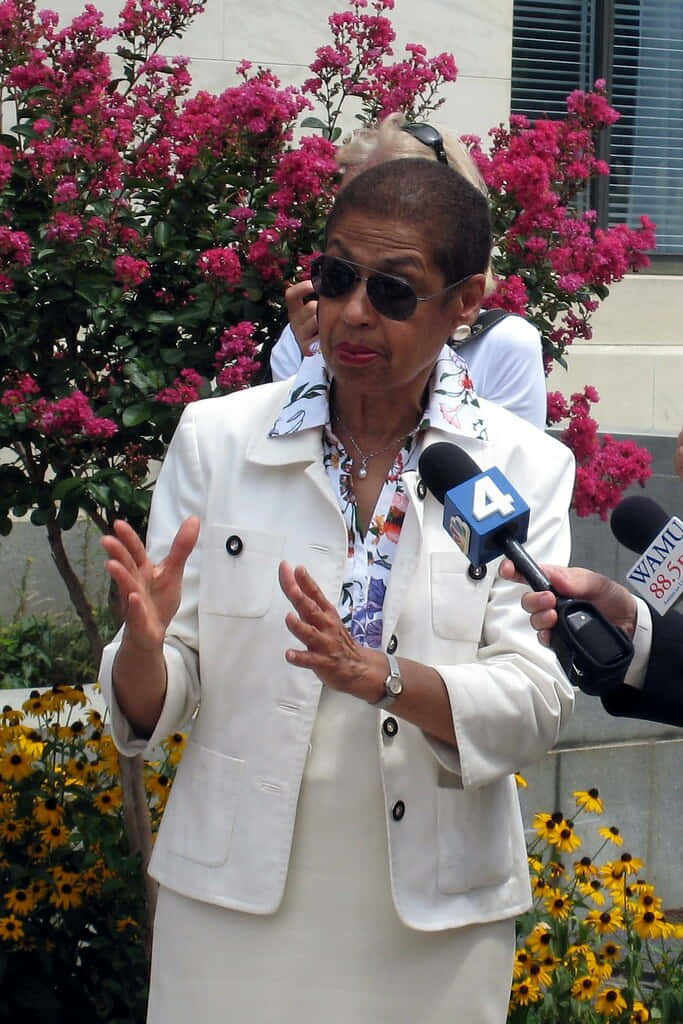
x=343 y=838
x=506 y=363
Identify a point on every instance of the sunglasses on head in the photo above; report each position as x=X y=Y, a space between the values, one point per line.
x=428 y=136
x=391 y=296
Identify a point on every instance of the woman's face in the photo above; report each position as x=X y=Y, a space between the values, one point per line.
x=371 y=352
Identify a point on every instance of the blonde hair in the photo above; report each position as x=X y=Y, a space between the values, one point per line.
x=367 y=147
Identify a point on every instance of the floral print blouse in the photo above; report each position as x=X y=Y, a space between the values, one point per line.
x=452 y=406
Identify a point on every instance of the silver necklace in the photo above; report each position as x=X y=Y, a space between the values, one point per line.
x=364 y=456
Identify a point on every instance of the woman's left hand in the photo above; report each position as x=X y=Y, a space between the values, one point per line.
x=330 y=651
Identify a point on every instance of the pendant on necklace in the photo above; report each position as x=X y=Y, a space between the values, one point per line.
x=363 y=471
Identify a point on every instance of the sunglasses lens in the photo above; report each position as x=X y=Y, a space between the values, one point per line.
x=391 y=297
x=332 y=277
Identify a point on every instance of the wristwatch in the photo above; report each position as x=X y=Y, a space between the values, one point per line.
x=393 y=684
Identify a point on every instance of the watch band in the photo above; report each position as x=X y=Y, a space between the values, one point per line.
x=393 y=684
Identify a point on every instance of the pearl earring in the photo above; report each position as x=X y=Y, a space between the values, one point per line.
x=461 y=334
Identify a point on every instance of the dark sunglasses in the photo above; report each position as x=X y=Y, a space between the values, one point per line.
x=428 y=136
x=391 y=296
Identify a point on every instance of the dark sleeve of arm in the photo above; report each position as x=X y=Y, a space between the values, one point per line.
x=661 y=698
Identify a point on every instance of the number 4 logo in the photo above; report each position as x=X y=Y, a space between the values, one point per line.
x=489 y=499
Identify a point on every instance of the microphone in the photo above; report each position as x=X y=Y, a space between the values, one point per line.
x=641 y=525
x=486 y=517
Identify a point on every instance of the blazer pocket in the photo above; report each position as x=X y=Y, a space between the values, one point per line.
x=239 y=571
x=458 y=601
x=475 y=847
x=199 y=818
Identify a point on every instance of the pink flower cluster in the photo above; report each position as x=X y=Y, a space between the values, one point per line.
x=305 y=175
x=185 y=388
x=234 y=359
x=70 y=418
x=130 y=272
x=534 y=173
x=604 y=467
x=356 y=64
x=221 y=265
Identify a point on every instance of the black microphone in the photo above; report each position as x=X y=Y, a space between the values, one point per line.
x=642 y=526
x=486 y=517
x=445 y=466
x=636 y=521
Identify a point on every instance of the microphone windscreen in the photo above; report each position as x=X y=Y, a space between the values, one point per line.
x=636 y=521
x=445 y=465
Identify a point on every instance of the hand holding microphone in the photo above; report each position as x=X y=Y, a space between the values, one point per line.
x=486 y=518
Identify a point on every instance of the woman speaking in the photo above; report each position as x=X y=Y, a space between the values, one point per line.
x=343 y=840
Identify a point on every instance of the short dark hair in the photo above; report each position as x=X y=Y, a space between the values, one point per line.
x=453 y=215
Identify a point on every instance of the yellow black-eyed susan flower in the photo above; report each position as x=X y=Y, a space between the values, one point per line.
x=19 y=901
x=540 y=972
x=48 y=811
x=605 y=921
x=610 y=1002
x=67 y=893
x=525 y=992
x=648 y=901
x=75 y=696
x=611 y=951
x=585 y=987
x=602 y=968
x=109 y=800
x=39 y=890
x=558 y=904
x=13 y=830
x=566 y=838
x=540 y=938
x=158 y=785
x=521 y=781
x=77 y=768
x=579 y=954
x=632 y=865
x=522 y=960
x=584 y=868
x=37 y=850
x=545 y=827
x=55 y=836
x=646 y=924
x=593 y=890
x=640 y=1013
x=36 y=705
x=612 y=835
x=15 y=766
x=589 y=800
x=11 y=929
x=94 y=718
x=31 y=742
x=11 y=716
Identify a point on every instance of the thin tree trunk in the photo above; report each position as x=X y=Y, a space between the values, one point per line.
x=135 y=808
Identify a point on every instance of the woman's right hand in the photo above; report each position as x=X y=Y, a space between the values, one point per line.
x=150 y=593
x=303 y=317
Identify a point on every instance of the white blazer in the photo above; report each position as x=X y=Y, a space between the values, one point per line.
x=457 y=854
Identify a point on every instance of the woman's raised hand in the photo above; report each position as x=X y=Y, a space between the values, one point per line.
x=150 y=593
x=302 y=313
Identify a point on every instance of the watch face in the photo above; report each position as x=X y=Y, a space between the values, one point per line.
x=395 y=686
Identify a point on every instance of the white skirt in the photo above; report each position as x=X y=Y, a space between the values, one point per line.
x=335 y=951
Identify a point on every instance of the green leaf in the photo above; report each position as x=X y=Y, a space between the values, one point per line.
x=161 y=316
x=101 y=493
x=135 y=414
x=172 y=356
x=314 y=122
x=67 y=486
x=67 y=515
x=162 y=233
x=41 y=516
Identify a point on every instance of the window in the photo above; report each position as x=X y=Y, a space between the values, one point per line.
x=637 y=47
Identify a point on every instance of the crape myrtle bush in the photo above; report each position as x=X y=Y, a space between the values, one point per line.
x=146 y=235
